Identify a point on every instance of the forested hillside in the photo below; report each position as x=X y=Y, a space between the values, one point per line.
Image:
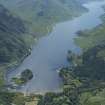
x=12 y=43
x=40 y=15
x=13 y=37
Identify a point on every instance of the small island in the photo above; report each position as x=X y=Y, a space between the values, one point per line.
x=24 y=77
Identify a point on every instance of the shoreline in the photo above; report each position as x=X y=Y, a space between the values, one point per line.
x=10 y=69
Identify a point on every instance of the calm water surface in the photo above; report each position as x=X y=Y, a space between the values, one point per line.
x=50 y=51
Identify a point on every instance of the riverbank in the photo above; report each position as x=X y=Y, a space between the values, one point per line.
x=89 y=38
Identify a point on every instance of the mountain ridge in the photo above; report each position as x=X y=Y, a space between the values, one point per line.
x=40 y=15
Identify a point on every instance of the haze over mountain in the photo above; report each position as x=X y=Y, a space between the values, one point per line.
x=41 y=14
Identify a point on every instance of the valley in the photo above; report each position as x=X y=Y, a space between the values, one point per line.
x=54 y=50
x=48 y=55
x=24 y=30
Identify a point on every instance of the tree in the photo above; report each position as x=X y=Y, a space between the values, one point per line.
x=26 y=75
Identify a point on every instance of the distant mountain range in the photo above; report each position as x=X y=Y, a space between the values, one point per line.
x=41 y=14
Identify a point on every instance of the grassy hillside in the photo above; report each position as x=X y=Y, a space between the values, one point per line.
x=40 y=15
x=91 y=38
x=8 y=98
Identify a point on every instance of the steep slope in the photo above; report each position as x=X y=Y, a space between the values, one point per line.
x=14 y=41
x=12 y=37
x=41 y=14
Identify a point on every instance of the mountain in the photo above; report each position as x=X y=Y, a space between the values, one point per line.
x=40 y=15
x=12 y=37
